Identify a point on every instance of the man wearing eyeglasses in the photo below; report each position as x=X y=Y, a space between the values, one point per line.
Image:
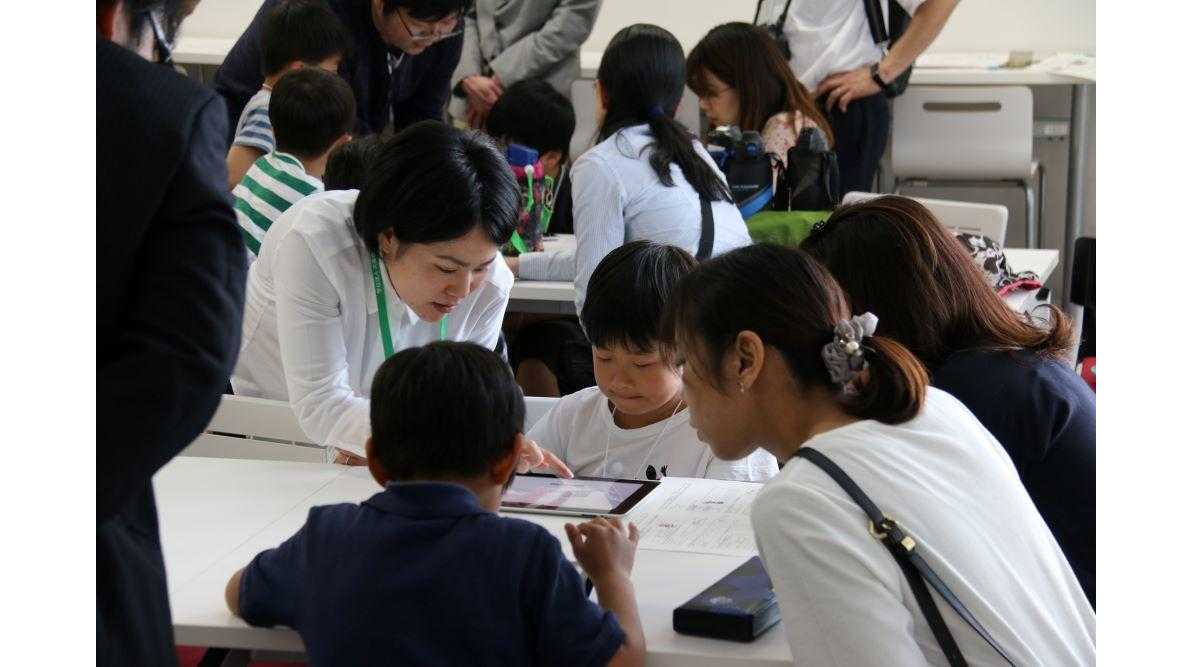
x=169 y=300
x=400 y=71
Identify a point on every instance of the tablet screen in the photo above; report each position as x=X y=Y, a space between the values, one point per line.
x=580 y=495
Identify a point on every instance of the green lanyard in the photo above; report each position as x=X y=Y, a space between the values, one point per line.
x=383 y=309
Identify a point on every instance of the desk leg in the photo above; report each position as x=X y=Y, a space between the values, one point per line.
x=1075 y=213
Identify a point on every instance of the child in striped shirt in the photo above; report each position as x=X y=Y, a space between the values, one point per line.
x=296 y=33
x=312 y=111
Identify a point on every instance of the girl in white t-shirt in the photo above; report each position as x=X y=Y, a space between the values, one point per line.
x=634 y=423
x=771 y=358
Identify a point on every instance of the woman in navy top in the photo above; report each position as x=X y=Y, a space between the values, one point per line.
x=896 y=260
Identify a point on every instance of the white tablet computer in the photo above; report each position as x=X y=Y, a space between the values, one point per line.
x=579 y=496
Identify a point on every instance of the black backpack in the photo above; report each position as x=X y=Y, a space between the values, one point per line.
x=811 y=179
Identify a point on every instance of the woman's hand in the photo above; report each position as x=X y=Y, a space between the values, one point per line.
x=531 y=456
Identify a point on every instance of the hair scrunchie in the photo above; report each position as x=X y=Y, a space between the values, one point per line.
x=655 y=112
x=843 y=355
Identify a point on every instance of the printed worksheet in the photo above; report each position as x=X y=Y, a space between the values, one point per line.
x=698 y=516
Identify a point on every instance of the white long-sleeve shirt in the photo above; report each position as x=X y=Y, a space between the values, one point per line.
x=617 y=198
x=945 y=479
x=311 y=333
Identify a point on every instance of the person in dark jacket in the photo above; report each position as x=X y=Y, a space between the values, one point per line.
x=894 y=259
x=404 y=53
x=169 y=300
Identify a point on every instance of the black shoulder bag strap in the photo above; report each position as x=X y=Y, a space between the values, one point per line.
x=707 y=230
x=899 y=20
x=902 y=546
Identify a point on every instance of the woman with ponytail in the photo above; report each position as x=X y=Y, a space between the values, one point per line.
x=648 y=177
x=773 y=357
x=895 y=259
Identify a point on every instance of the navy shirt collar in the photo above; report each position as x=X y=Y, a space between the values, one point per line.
x=426 y=500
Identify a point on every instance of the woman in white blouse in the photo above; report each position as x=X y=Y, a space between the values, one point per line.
x=647 y=176
x=772 y=358
x=347 y=278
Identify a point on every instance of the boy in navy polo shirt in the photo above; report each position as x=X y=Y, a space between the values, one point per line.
x=425 y=572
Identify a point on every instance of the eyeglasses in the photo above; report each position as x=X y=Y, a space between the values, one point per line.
x=427 y=37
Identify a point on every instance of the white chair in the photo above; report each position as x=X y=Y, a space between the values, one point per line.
x=968 y=136
x=536 y=408
x=959 y=216
x=255 y=428
x=583 y=98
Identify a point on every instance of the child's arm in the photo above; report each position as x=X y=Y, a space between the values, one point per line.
x=605 y=549
x=232 y=592
x=240 y=158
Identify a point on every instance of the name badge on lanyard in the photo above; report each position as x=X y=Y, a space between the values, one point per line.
x=383 y=309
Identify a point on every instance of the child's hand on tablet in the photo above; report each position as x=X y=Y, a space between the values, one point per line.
x=604 y=547
x=531 y=456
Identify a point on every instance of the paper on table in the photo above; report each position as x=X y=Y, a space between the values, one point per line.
x=698 y=516
x=962 y=60
x=1069 y=64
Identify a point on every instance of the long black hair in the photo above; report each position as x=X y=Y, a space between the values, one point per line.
x=642 y=75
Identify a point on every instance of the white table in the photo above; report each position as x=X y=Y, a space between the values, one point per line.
x=541 y=296
x=216 y=514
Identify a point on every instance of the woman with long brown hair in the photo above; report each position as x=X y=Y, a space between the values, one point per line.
x=741 y=79
x=896 y=260
x=773 y=357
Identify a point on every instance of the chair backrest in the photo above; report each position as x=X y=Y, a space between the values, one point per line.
x=959 y=216
x=962 y=133
x=257 y=428
x=583 y=98
x=536 y=408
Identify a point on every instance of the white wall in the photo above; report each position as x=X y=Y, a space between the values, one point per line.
x=976 y=25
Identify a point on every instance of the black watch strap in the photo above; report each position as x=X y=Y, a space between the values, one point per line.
x=876 y=74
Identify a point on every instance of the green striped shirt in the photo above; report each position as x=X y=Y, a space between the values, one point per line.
x=273 y=183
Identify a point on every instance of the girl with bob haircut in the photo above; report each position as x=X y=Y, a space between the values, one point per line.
x=773 y=357
x=647 y=178
x=894 y=259
x=742 y=79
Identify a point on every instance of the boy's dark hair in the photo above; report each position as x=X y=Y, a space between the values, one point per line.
x=434 y=183
x=304 y=31
x=348 y=163
x=628 y=293
x=532 y=113
x=427 y=10
x=309 y=110
x=444 y=410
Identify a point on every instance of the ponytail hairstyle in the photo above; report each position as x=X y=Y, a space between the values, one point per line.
x=794 y=305
x=746 y=58
x=642 y=77
x=896 y=260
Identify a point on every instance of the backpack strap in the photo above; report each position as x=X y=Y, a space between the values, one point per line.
x=917 y=571
x=707 y=231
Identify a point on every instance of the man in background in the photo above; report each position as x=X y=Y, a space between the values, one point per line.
x=833 y=54
x=169 y=299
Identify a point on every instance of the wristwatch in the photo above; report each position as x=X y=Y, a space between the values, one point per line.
x=876 y=75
